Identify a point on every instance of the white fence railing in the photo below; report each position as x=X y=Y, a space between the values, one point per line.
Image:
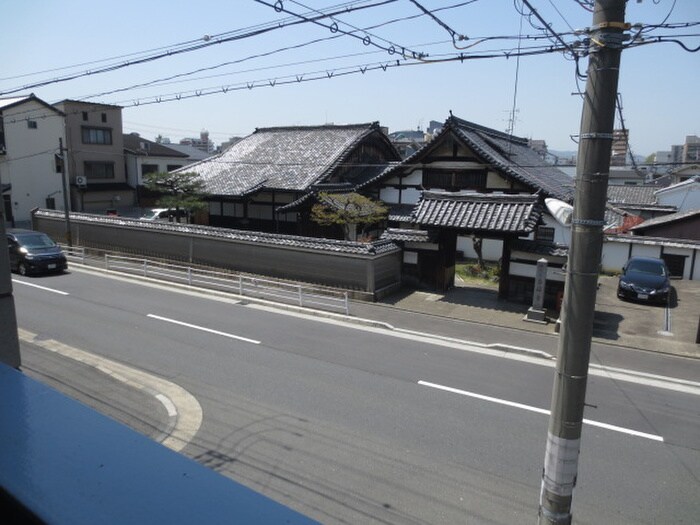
x=243 y=285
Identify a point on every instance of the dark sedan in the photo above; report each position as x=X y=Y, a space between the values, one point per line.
x=34 y=252
x=644 y=279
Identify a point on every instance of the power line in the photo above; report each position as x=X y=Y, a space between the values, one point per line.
x=335 y=28
x=204 y=42
x=442 y=24
x=330 y=74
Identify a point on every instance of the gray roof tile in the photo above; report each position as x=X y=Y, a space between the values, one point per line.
x=285 y=158
x=511 y=155
x=479 y=211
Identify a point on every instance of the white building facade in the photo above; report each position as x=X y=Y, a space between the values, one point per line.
x=30 y=167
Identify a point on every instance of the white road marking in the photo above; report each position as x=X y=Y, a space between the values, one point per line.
x=546 y=412
x=186 y=420
x=204 y=329
x=52 y=290
x=168 y=404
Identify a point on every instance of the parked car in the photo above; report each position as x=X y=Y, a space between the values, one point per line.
x=164 y=214
x=644 y=279
x=34 y=252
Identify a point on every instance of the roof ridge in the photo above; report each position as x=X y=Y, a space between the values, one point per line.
x=459 y=122
x=366 y=125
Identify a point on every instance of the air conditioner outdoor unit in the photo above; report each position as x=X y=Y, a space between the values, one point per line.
x=81 y=181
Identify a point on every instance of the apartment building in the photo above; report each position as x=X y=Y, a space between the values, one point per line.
x=95 y=156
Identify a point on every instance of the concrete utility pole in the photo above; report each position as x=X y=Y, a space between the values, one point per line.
x=66 y=198
x=9 y=339
x=593 y=164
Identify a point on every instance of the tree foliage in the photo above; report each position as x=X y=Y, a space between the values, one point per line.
x=347 y=209
x=179 y=190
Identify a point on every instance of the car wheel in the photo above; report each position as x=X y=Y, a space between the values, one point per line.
x=22 y=269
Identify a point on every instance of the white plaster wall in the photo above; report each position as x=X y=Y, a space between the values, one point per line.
x=491 y=249
x=562 y=234
x=389 y=195
x=530 y=270
x=685 y=198
x=29 y=164
x=410 y=196
x=614 y=256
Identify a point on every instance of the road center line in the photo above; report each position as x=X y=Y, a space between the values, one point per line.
x=204 y=329
x=52 y=290
x=529 y=408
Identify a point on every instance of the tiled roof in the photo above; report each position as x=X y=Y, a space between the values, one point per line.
x=401 y=212
x=654 y=241
x=292 y=241
x=479 y=211
x=540 y=248
x=667 y=219
x=285 y=158
x=512 y=156
x=628 y=194
x=407 y=235
x=152 y=149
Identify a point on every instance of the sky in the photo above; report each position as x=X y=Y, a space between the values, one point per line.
x=275 y=73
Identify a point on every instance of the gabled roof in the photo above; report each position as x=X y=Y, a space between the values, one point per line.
x=631 y=194
x=141 y=146
x=284 y=158
x=6 y=103
x=508 y=154
x=501 y=213
x=666 y=219
x=686 y=184
x=190 y=151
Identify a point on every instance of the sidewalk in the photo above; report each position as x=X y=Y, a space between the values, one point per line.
x=616 y=322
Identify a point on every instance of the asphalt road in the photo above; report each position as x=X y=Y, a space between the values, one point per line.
x=354 y=425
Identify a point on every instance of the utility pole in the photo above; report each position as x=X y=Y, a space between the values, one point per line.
x=9 y=341
x=66 y=200
x=592 y=166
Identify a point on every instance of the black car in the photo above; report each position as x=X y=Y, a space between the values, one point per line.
x=644 y=279
x=34 y=252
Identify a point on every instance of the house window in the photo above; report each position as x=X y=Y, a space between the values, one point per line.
x=544 y=234
x=455 y=180
x=148 y=168
x=31 y=124
x=104 y=117
x=85 y=116
x=173 y=167
x=98 y=170
x=97 y=135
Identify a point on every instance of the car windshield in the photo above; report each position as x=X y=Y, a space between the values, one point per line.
x=151 y=214
x=35 y=240
x=649 y=267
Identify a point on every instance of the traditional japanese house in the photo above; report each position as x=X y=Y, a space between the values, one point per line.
x=266 y=181
x=472 y=182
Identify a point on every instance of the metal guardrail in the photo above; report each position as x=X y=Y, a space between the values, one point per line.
x=239 y=284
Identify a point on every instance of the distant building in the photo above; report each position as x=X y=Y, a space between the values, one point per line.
x=202 y=143
x=228 y=143
x=620 y=148
x=691 y=149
